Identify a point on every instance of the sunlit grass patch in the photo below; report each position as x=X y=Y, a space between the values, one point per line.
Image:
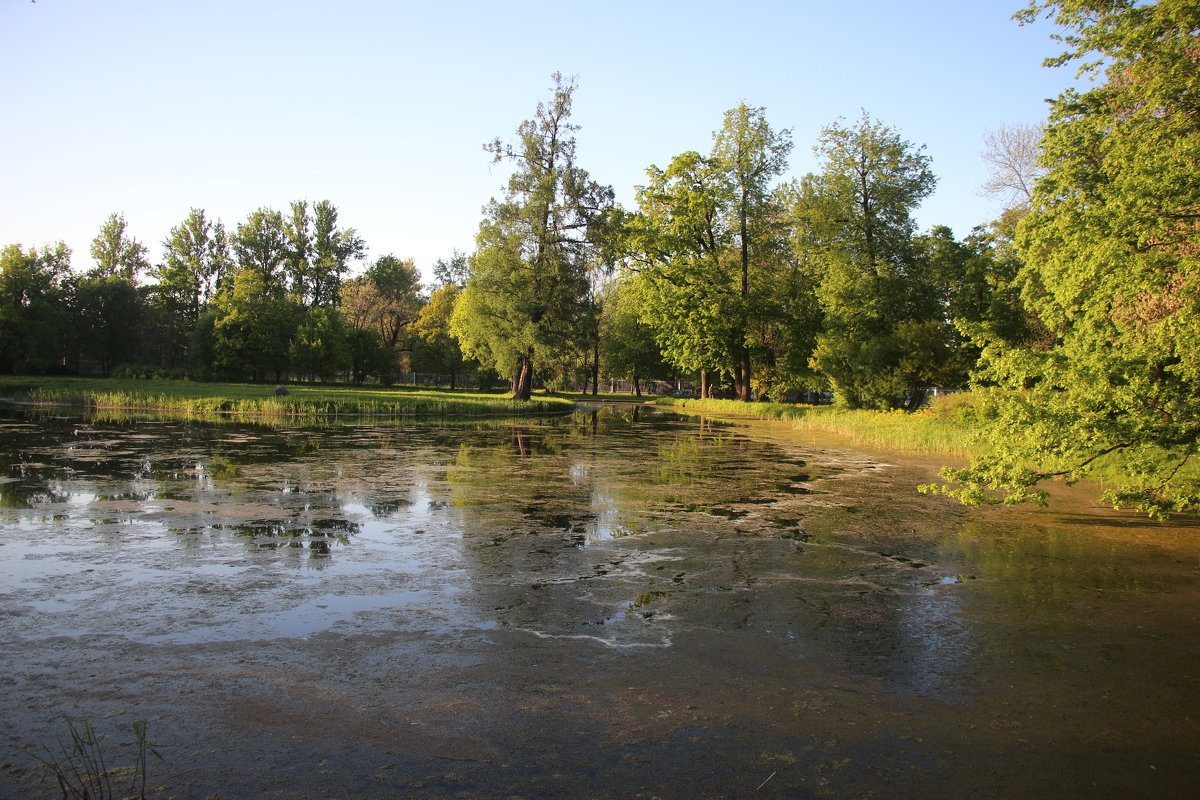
x=945 y=427
x=186 y=397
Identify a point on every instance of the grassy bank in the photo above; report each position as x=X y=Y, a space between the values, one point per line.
x=945 y=427
x=188 y=398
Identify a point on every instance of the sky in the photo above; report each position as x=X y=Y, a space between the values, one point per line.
x=150 y=108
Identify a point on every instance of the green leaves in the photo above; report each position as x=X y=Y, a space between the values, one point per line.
x=528 y=295
x=1112 y=268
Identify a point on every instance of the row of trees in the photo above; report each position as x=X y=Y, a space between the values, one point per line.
x=270 y=300
x=724 y=273
x=729 y=274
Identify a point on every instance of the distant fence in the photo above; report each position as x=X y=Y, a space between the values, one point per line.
x=432 y=379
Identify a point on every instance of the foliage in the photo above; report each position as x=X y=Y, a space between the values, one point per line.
x=318 y=254
x=386 y=301
x=679 y=246
x=710 y=239
x=629 y=349
x=261 y=244
x=526 y=298
x=196 y=262
x=33 y=312
x=108 y=311
x=117 y=253
x=861 y=209
x=1111 y=273
x=319 y=347
x=253 y=328
x=434 y=345
x=453 y=270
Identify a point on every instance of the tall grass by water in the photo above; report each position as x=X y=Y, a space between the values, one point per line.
x=946 y=427
x=189 y=398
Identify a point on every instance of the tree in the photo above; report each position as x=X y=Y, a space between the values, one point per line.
x=195 y=264
x=318 y=254
x=33 y=316
x=871 y=182
x=261 y=243
x=1111 y=250
x=254 y=326
x=1013 y=153
x=630 y=351
x=435 y=346
x=455 y=269
x=117 y=253
x=528 y=282
x=319 y=348
x=680 y=251
x=751 y=155
x=386 y=299
x=108 y=311
x=711 y=238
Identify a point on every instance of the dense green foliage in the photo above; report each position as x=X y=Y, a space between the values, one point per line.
x=526 y=300
x=1111 y=272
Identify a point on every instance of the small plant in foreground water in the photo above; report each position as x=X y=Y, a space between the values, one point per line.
x=82 y=773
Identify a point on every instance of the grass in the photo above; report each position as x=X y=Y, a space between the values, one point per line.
x=189 y=398
x=944 y=428
x=82 y=771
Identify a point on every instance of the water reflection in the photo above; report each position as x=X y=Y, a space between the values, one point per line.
x=626 y=527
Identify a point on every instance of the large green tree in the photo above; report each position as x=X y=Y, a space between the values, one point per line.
x=528 y=286
x=108 y=312
x=195 y=264
x=873 y=291
x=318 y=253
x=1111 y=272
x=681 y=265
x=253 y=327
x=711 y=243
x=261 y=243
x=33 y=316
x=752 y=156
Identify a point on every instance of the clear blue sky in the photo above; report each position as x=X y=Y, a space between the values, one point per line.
x=151 y=107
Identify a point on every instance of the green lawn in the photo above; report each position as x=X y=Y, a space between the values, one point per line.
x=187 y=397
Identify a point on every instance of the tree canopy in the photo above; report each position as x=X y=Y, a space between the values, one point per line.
x=1111 y=250
x=528 y=287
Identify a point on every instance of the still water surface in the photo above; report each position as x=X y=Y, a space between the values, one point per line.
x=618 y=603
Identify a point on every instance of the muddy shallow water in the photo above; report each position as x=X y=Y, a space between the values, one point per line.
x=612 y=604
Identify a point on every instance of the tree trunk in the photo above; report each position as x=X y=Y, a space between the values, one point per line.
x=703 y=383
x=743 y=375
x=637 y=386
x=523 y=382
x=596 y=367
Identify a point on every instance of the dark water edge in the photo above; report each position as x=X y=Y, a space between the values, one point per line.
x=610 y=604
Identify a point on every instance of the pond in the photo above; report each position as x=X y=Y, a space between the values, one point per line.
x=616 y=603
